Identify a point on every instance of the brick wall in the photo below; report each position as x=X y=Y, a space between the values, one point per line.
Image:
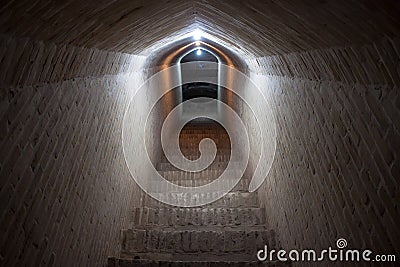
x=65 y=189
x=337 y=160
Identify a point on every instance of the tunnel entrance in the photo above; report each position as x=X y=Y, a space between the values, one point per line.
x=199 y=89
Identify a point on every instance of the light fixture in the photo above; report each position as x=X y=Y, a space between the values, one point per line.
x=197 y=43
x=197 y=34
x=198 y=52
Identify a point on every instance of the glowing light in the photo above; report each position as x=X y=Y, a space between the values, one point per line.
x=198 y=52
x=197 y=43
x=197 y=34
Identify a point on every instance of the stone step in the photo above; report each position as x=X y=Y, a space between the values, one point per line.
x=205 y=243
x=116 y=262
x=215 y=166
x=192 y=155
x=176 y=217
x=196 y=131
x=177 y=176
x=203 y=128
x=190 y=135
x=166 y=166
x=194 y=145
x=230 y=200
x=193 y=148
x=194 y=135
x=241 y=186
x=220 y=157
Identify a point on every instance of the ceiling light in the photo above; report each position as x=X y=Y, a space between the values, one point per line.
x=198 y=52
x=197 y=34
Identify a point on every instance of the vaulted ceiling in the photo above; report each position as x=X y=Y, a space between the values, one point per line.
x=257 y=28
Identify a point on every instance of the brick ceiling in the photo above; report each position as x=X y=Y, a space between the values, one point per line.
x=257 y=28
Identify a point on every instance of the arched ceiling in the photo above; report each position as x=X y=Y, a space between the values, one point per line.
x=204 y=56
x=254 y=28
x=170 y=54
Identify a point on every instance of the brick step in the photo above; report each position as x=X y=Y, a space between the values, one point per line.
x=209 y=175
x=204 y=128
x=213 y=166
x=178 y=175
x=193 y=149
x=187 y=138
x=218 y=165
x=196 y=138
x=174 y=217
x=230 y=200
x=201 y=242
x=200 y=130
x=194 y=143
x=116 y=262
x=200 y=227
x=241 y=186
x=220 y=157
x=198 y=135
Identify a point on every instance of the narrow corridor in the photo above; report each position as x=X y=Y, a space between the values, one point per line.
x=307 y=92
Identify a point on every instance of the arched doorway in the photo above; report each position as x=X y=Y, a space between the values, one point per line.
x=203 y=64
x=200 y=89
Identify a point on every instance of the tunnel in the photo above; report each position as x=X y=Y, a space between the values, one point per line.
x=199 y=133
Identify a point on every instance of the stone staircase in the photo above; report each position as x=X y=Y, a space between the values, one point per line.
x=227 y=232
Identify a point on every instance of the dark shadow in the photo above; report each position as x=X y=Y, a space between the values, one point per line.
x=199 y=89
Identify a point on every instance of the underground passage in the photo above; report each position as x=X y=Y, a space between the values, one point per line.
x=199 y=133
